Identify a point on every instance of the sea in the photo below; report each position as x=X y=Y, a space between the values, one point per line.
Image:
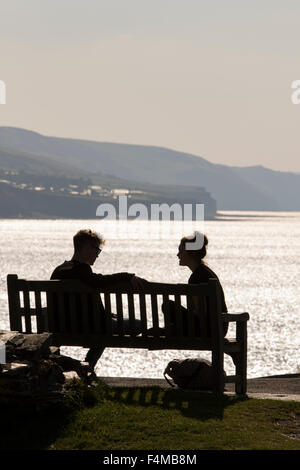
x=256 y=256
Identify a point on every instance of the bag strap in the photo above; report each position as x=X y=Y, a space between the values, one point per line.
x=188 y=380
x=169 y=382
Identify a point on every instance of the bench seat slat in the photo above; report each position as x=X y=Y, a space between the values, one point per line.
x=127 y=341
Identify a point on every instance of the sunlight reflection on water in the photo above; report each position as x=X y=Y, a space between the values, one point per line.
x=256 y=256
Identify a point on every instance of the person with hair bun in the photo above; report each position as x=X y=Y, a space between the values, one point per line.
x=191 y=253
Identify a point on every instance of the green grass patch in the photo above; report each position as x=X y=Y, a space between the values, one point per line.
x=153 y=419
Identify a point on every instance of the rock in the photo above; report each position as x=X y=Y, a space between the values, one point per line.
x=66 y=363
x=35 y=373
x=14 y=383
x=49 y=400
x=54 y=350
x=16 y=369
x=71 y=375
x=30 y=346
x=69 y=364
x=50 y=375
x=7 y=335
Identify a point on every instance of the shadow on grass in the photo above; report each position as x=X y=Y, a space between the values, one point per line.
x=193 y=404
x=26 y=428
x=33 y=423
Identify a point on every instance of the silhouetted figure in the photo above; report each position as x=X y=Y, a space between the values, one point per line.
x=87 y=247
x=191 y=253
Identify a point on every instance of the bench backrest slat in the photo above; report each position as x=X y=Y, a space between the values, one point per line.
x=107 y=306
x=14 y=304
x=167 y=314
x=131 y=311
x=190 y=323
x=119 y=303
x=51 y=311
x=96 y=308
x=26 y=298
x=178 y=316
x=143 y=313
x=86 y=320
x=40 y=324
x=61 y=314
x=204 y=320
x=154 y=310
x=73 y=313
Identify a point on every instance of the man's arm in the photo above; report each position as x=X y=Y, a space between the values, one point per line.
x=84 y=273
x=107 y=280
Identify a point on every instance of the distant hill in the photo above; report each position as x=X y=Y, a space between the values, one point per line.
x=14 y=159
x=234 y=188
x=34 y=185
x=16 y=202
x=282 y=187
x=29 y=203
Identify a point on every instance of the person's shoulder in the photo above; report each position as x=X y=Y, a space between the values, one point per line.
x=61 y=267
x=201 y=274
x=70 y=269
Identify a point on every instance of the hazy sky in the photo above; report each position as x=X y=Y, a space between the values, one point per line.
x=212 y=78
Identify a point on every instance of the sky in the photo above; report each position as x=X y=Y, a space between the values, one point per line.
x=210 y=78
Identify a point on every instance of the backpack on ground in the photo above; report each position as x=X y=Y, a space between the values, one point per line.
x=193 y=373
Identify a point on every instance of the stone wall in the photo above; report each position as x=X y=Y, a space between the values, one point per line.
x=35 y=370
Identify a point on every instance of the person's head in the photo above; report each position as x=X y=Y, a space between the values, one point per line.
x=87 y=245
x=192 y=250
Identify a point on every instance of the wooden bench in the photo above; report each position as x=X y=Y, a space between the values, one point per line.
x=39 y=306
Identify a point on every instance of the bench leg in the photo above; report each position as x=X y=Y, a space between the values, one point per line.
x=93 y=355
x=218 y=371
x=241 y=364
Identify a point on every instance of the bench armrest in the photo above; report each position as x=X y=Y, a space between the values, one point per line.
x=235 y=317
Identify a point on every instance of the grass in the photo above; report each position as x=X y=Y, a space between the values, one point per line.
x=153 y=419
